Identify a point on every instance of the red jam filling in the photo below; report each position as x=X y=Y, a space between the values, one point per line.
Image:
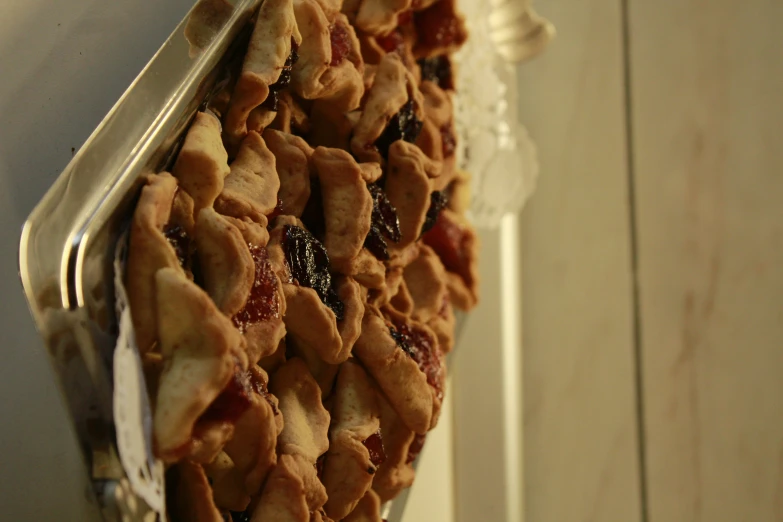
x=179 y=240
x=374 y=444
x=449 y=240
x=232 y=402
x=392 y=42
x=437 y=26
x=419 y=346
x=341 y=43
x=415 y=448
x=262 y=304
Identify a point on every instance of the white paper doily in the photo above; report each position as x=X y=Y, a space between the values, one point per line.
x=494 y=147
x=132 y=413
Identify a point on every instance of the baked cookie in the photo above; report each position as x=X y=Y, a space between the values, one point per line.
x=202 y=163
x=201 y=352
x=251 y=188
x=367 y=510
x=149 y=250
x=355 y=441
x=456 y=243
x=393 y=111
x=267 y=66
x=322 y=314
x=404 y=360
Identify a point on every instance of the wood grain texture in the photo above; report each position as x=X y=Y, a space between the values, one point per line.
x=581 y=455
x=707 y=79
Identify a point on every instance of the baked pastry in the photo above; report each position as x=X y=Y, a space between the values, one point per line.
x=292 y=282
x=355 y=441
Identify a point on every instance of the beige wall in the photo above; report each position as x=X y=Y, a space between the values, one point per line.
x=668 y=175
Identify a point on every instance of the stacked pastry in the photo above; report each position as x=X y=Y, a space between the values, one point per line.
x=292 y=280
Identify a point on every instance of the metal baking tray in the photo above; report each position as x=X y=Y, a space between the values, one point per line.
x=67 y=244
x=68 y=241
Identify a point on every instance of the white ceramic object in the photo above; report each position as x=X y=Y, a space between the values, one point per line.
x=494 y=147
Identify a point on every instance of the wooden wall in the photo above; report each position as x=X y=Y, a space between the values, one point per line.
x=658 y=129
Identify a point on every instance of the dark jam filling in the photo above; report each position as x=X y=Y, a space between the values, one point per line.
x=232 y=402
x=415 y=448
x=403 y=126
x=437 y=70
x=374 y=444
x=313 y=213
x=277 y=211
x=448 y=240
x=309 y=264
x=262 y=304
x=319 y=465
x=438 y=201
x=437 y=27
x=243 y=516
x=341 y=43
x=384 y=224
x=285 y=78
x=180 y=241
x=418 y=346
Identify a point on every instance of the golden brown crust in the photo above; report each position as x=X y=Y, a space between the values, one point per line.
x=357 y=336
x=380 y=17
x=348 y=469
x=285 y=497
x=269 y=48
x=408 y=187
x=251 y=188
x=202 y=162
x=228 y=483
x=252 y=449
x=397 y=374
x=438 y=121
x=253 y=233
x=305 y=432
x=148 y=252
x=292 y=155
x=393 y=86
x=425 y=281
x=308 y=320
x=226 y=264
x=201 y=350
x=367 y=510
x=396 y=473
x=314 y=76
x=347 y=204
x=190 y=497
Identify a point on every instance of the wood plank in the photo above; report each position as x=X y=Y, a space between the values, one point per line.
x=487 y=460
x=581 y=453
x=707 y=79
